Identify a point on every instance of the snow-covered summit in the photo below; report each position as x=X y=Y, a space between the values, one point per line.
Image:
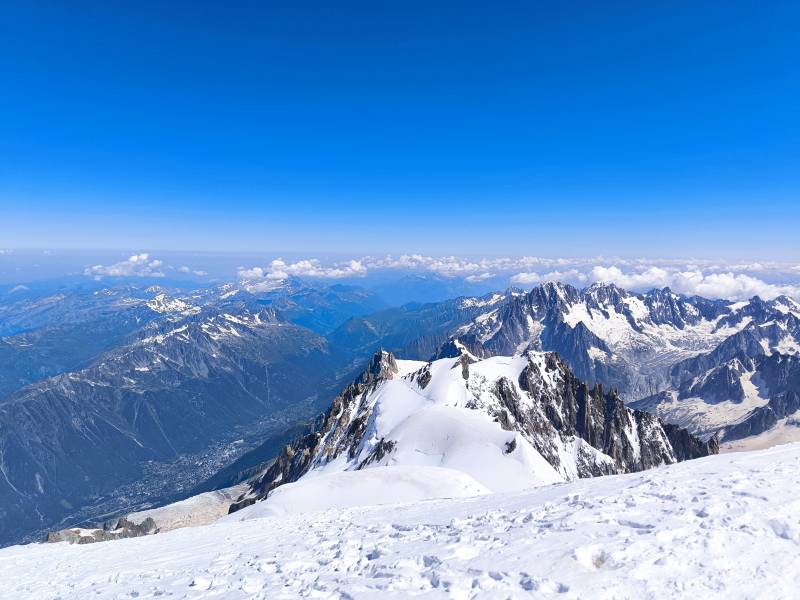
x=162 y=303
x=508 y=422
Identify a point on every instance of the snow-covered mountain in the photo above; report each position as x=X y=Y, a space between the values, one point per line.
x=718 y=527
x=755 y=394
x=609 y=335
x=604 y=333
x=157 y=414
x=654 y=346
x=506 y=422
x=125 y=395
x=107 y=389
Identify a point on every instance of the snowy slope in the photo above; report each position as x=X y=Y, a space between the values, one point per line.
x=436 y=425
x=718 y=527
x=507 y=422
x=347 y=489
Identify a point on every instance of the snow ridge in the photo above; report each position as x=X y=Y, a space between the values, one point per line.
x=507 y=422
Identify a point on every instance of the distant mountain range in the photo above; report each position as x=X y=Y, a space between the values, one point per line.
x=705 y=364
x=150 y=395
x=115 y=399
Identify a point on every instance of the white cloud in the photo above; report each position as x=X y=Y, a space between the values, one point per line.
x=526 y=278
x=710 y=278
x=650 y=277
x=258 y=279
x=713 y=279
x=185 y=269
x=569 y=276
x=448 y=266
x=730 y=285
x=137 y=265
x=479 y=278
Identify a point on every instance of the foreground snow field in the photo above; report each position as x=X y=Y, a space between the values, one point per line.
x=725 y=526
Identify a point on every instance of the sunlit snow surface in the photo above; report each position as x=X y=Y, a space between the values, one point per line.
x=721 y=527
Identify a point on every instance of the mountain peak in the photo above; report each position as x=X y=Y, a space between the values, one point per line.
x=506 y=421
x=605 y=286
x=382 y=365
x=162 y=303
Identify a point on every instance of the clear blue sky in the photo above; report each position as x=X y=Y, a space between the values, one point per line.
x=632 y=128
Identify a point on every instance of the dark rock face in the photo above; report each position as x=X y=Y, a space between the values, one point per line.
x=762 y=336
x=634 y=439
x=775 y=378
x=765 y=417
x=450 y=349
x=687 y=446
x=123 y=529
x=550 y=415
x=296 y=458
x=781 y=375
x=720 y=384
x=667 y=308
x=742 y=345
x=576 y=343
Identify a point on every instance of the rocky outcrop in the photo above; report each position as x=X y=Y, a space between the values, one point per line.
x=765 y=388
x=296 y=458
x=121 y=530
x=687 y=446
x=635 y=440
x=720 y=384
x=781 y=376
x=764 y=418
x=770 y=331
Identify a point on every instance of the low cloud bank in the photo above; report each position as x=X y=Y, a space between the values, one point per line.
x=712 y=279
x=138 y=265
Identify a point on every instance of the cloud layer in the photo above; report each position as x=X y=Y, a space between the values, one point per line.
x=712 y=279
x=137 y=265
x=259 y=279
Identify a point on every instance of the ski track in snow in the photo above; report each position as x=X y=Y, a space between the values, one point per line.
x=720 y=527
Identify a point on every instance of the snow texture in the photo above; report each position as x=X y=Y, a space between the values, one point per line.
x=719 y=527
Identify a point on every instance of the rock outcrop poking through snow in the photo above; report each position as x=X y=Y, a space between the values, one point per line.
x=122 y=529
x=509 y=422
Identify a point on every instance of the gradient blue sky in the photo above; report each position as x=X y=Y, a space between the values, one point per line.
x=569 y=128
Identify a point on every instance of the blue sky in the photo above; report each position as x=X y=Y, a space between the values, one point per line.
x=561 y=129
